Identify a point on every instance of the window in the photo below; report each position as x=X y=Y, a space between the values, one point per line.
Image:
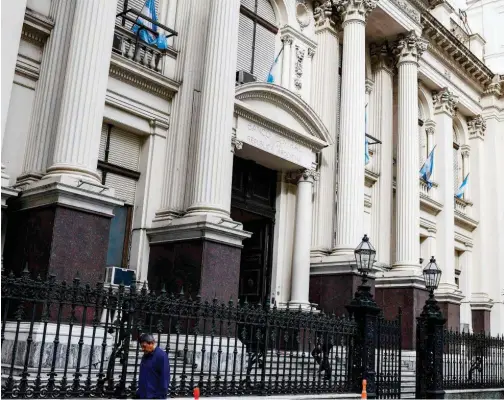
x=118 y=164
x=256 y=38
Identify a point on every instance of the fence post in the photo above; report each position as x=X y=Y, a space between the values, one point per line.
x=429 y=351
x=364 y=310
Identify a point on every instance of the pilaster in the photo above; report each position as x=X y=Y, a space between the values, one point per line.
x=350 y=201
x=444 y=106
x=480 y=299
x=380 y=126
x=48 y=96
x=325 y=101
x=408 y=49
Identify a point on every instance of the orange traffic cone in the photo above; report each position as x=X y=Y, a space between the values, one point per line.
x=364 y=393
x=196 y=393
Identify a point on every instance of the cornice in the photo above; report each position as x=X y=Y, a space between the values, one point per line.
x=141 y=77
x=427 y=224
x=406 y=8
x=289 y=31
x=36 y=27
x=370 y=177
x=27 y=67
x=448 y=47
x=430 y=205
x=465 y=222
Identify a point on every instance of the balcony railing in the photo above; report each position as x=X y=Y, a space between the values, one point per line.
x=461 y=205
x=424 y=189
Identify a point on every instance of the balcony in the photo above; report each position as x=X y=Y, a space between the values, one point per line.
x=428 y=198
x=463 y=214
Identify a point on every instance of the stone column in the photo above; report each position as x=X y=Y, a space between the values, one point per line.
x=324 y=100
x=47 y=103
x=185 y=107
x=466 y=286
x=302 y=239
x=12 y=26
x=213 y=170
x=481 y=304
x=83 y=97
x=408 y=49
x=380 y=126
x=350 y=202
x=287 y=41
x=448 y=294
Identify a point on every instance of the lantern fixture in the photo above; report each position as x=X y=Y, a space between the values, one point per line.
x=365 y=255
x=432 y=275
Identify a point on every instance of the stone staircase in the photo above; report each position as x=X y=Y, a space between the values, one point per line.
x=408 y=374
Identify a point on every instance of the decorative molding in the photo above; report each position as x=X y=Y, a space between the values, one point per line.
x=444 y=101
x=408 y=10
x=465 y=222
x=325 y=15
x=445 y=45
x=27 y=67
x=493 y=89
x=141 y=77
x=477 y=127
x=290 y=34
x=409 y=47
x=235 y=143
x=36 y=28
x=382 y=56
x=465 y=151
x=284 y=99
x=308 y=175
x=302 y=15
x=311 y=52
x=430 y=127
x=369 y=85
x=298 y=67
x=428 y=225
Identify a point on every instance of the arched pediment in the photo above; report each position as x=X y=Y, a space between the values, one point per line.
x=279 y=106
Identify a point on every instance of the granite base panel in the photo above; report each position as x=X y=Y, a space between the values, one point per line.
x=57 y=240
x=196 y=267
x=411 y=300
x=332 y=293
x=481 y=321
x=475 y=394
x=451 y=312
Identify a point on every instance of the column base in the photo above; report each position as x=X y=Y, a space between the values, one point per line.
x=407 y=293
x=449 y=298
x=480 y=313
x=197 y=254
x=56 y=228
x=333 y=285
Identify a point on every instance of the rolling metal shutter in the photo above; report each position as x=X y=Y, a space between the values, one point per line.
x=245 y=38
x=422 y=140
x=124 y=151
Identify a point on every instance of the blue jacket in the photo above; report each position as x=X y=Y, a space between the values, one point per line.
x=154 y=379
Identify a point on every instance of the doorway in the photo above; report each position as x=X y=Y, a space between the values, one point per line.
x=253 y=204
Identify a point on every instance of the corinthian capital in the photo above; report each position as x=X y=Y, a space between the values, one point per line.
x=352 y=10
x=381 y=56
x=324 y=13
x=409 y=47
x=303 y=175
x=477 y=127
x=444 y=101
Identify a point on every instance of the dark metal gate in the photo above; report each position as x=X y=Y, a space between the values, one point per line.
x=388 y=358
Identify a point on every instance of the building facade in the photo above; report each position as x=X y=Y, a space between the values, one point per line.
x=234 y=164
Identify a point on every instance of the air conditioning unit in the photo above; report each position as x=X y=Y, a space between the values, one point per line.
x=117 y=276
x=117 y=44
x=244 y=77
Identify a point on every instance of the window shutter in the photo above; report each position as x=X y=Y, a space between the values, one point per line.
x=423 y=145
x=125 y=187
x=124 y=149
x=264 y=53
x=137 y=5
x=103 y=142
x=245 y=38
x=250 y=4
x=455 y=169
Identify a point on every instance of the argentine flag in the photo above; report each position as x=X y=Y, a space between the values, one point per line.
x=427 y=168
x=461 y=189
x=271 y=78
x=159 y=40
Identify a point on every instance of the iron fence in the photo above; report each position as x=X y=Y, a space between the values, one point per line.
x=73 y=340
x=388 y=358
x=472 y=361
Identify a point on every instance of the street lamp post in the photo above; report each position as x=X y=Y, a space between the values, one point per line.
x=365 y=311
x=430 y=325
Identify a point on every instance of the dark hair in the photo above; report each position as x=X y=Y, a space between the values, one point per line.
x=146 y=338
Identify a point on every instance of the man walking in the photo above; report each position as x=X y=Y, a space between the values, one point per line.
x=154 y=379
